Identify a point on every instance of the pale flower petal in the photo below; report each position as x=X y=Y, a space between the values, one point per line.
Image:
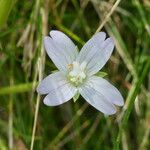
x=99 y=58
x=60 y=95
x=57 y=54
x=88 y=48
x=107 y=90
x=65 y=43
x=97 y=100
x=96 y=52
x=51 y=82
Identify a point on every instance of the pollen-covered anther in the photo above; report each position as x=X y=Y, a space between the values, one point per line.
x=70 y=67
x=76 y=73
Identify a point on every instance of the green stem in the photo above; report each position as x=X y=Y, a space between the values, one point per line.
x=24 y=87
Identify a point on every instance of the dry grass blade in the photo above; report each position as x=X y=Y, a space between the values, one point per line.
x=108 y=15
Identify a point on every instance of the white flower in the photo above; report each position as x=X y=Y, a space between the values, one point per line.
x=76 y=72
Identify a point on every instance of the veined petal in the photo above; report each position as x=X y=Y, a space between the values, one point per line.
x=97 y=100
x=60 y=49
x=99 y=58
x=110 y=92
x=56 y=54
x=96 y=52
x=60 y=95
x=51 y=82
x=88 y=48
x=66 y=44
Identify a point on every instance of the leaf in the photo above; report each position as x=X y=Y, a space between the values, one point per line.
x=54 y=71
x=101 y=74
x=5 y=8
x=75 y=98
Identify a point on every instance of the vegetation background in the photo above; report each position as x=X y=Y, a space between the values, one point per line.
x=26 y=123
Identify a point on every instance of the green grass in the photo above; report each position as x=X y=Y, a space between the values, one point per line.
x=73 y=126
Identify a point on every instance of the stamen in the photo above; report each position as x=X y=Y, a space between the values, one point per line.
x=76 y=73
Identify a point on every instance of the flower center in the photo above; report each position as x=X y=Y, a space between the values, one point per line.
x=76 y=73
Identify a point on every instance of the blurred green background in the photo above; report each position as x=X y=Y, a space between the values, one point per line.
x=73 y=126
